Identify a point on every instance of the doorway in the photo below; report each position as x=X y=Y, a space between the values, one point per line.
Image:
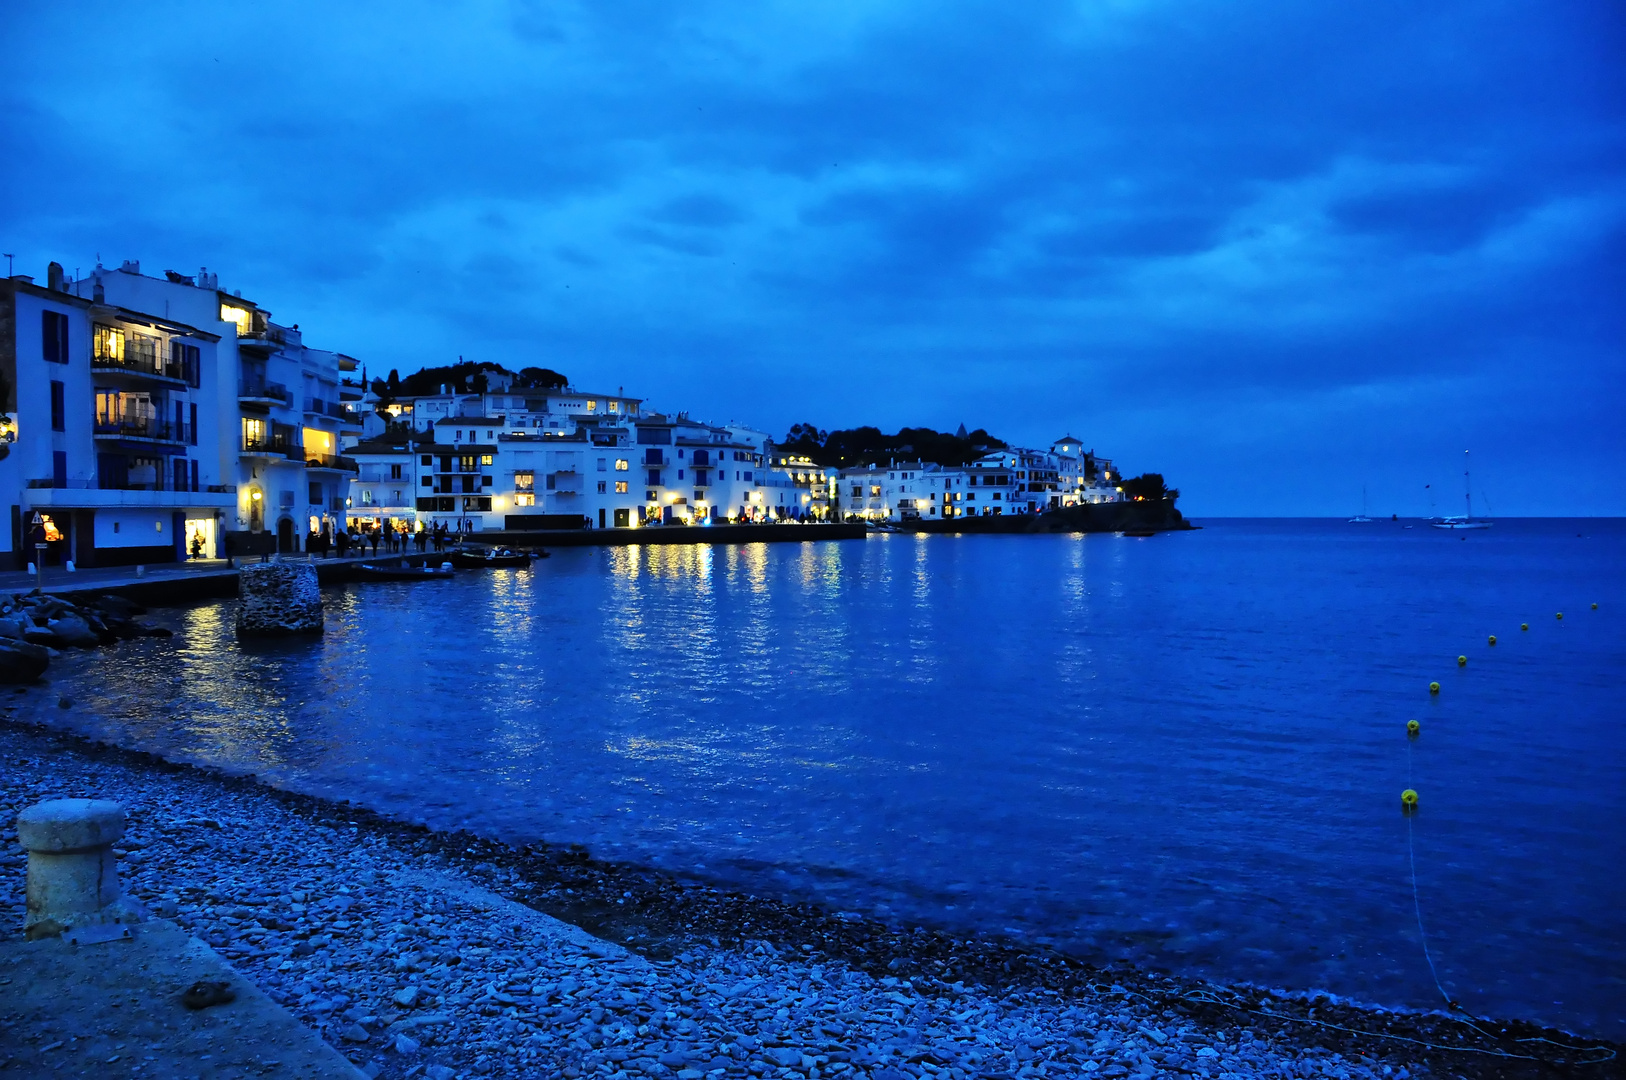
x=285 y=537
x=200 y=538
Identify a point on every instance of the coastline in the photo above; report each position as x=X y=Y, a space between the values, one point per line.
x=711 y=979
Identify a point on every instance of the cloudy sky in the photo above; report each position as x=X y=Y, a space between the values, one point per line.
x=1277 y=252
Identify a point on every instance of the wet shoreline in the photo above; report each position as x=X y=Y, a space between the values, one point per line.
x=667 y=920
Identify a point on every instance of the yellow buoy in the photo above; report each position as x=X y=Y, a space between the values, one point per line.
x=1413 y=727
x=1434 y=688
x=1462 y=661
x=1493 y=639
x=1524 y=626
x=1408 y=799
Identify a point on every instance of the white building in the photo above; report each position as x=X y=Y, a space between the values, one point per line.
x=108 y=433
x=274 y=404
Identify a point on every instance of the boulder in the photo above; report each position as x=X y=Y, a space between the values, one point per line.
x=21 y=662
x=278 y=599
x=70 y=629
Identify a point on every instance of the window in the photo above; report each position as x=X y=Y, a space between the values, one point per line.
x=487 y=459
x=875 y=491
x=525 y=481
x=109 y=343
x=54 y=332
x=650 y=496
x=426 y=461
x=601 y=464
x=428 y=481
x=395 y=472
x=592 y=405
x=59 y=407
x=485 y=481
x=654 y=478
x=747 y=475
x=621 y=465
x=680 y=474
x=524 y=498
x=601 y=487
x=233 y=314
x=620 y=487
x=615 y=406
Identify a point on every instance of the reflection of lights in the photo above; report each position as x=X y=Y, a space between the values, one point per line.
x=255 y=495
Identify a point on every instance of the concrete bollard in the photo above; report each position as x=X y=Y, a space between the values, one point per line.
x=278 y=598
x=73 y=874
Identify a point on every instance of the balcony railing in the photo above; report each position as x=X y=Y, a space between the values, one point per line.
x=146 y=361
x=263 y=390
x=330 y=461
x=144 y=428
x=276 y=443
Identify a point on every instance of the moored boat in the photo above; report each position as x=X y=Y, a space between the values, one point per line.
x=483 y=558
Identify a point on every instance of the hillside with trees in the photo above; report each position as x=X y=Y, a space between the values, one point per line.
x=869 y=445
x=467 y=377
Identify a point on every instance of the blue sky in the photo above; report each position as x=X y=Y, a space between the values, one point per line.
x=1275 y=251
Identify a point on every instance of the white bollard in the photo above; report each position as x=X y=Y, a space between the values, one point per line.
x=73 y=874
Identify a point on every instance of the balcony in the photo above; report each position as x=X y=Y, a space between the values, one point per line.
x=145 y=429
x=145 y=362
x=259 y=392
x=332 y=462
x=273 y=446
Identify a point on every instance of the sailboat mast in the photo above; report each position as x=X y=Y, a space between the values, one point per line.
x=1467 y=486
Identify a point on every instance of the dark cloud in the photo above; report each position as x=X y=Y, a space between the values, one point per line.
x=1275 y=250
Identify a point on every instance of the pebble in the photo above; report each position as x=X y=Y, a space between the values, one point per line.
x=326 y=916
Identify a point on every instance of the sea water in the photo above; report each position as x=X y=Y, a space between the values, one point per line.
x=1184 y=751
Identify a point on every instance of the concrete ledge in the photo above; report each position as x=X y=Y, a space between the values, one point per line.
x=114 y=1010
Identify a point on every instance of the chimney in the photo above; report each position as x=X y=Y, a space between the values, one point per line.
x=131 y=266
x=99 y=294
x=53 y=277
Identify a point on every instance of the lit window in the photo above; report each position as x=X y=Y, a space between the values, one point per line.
x=615 y=406
x=524 y=499
x=620 y=464
x=592 y=405
x=233 y=314
x=620 y=487
x=109 y=343
x=486 y=459
x=525 y=481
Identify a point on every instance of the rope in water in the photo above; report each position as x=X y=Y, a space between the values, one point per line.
x=1416 y=901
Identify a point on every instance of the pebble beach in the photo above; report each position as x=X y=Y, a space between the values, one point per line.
x=423 y=954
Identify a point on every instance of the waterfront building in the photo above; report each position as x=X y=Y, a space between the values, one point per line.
x=108 y=439
x=550 y=409
x=275 y=402
x=805 y=491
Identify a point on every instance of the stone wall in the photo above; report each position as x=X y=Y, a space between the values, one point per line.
x=278 y=598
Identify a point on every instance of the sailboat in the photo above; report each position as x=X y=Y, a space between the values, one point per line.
x=1466 y=521
x=1361 y=518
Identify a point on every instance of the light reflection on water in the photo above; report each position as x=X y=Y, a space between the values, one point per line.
x=1181 y=749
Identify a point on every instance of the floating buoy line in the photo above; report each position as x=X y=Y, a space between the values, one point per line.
x=1409 y=803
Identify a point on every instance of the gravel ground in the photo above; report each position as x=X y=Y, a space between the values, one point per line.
x=423 y=954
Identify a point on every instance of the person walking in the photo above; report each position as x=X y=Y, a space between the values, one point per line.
x=372 y=536
x=343 y=542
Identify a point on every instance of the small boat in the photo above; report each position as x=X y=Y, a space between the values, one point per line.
x=1462 y=522
x=398 y=572
x=483 y=558
x=1140 y=532
x=1361 y=518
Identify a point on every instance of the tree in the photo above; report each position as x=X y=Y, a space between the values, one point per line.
x=1149 y=486
x=536 y=378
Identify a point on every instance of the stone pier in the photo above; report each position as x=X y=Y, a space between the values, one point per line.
x=278 y=599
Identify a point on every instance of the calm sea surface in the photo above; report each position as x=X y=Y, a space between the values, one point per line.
x=1187 y=750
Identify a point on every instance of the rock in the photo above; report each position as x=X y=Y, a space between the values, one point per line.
x=71 y=630
x=117 y=607
x=21 y=661
x=407 y=997
x=278 y=599
x=354 y=1033
x=439 y=1072
x=406 y=1045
